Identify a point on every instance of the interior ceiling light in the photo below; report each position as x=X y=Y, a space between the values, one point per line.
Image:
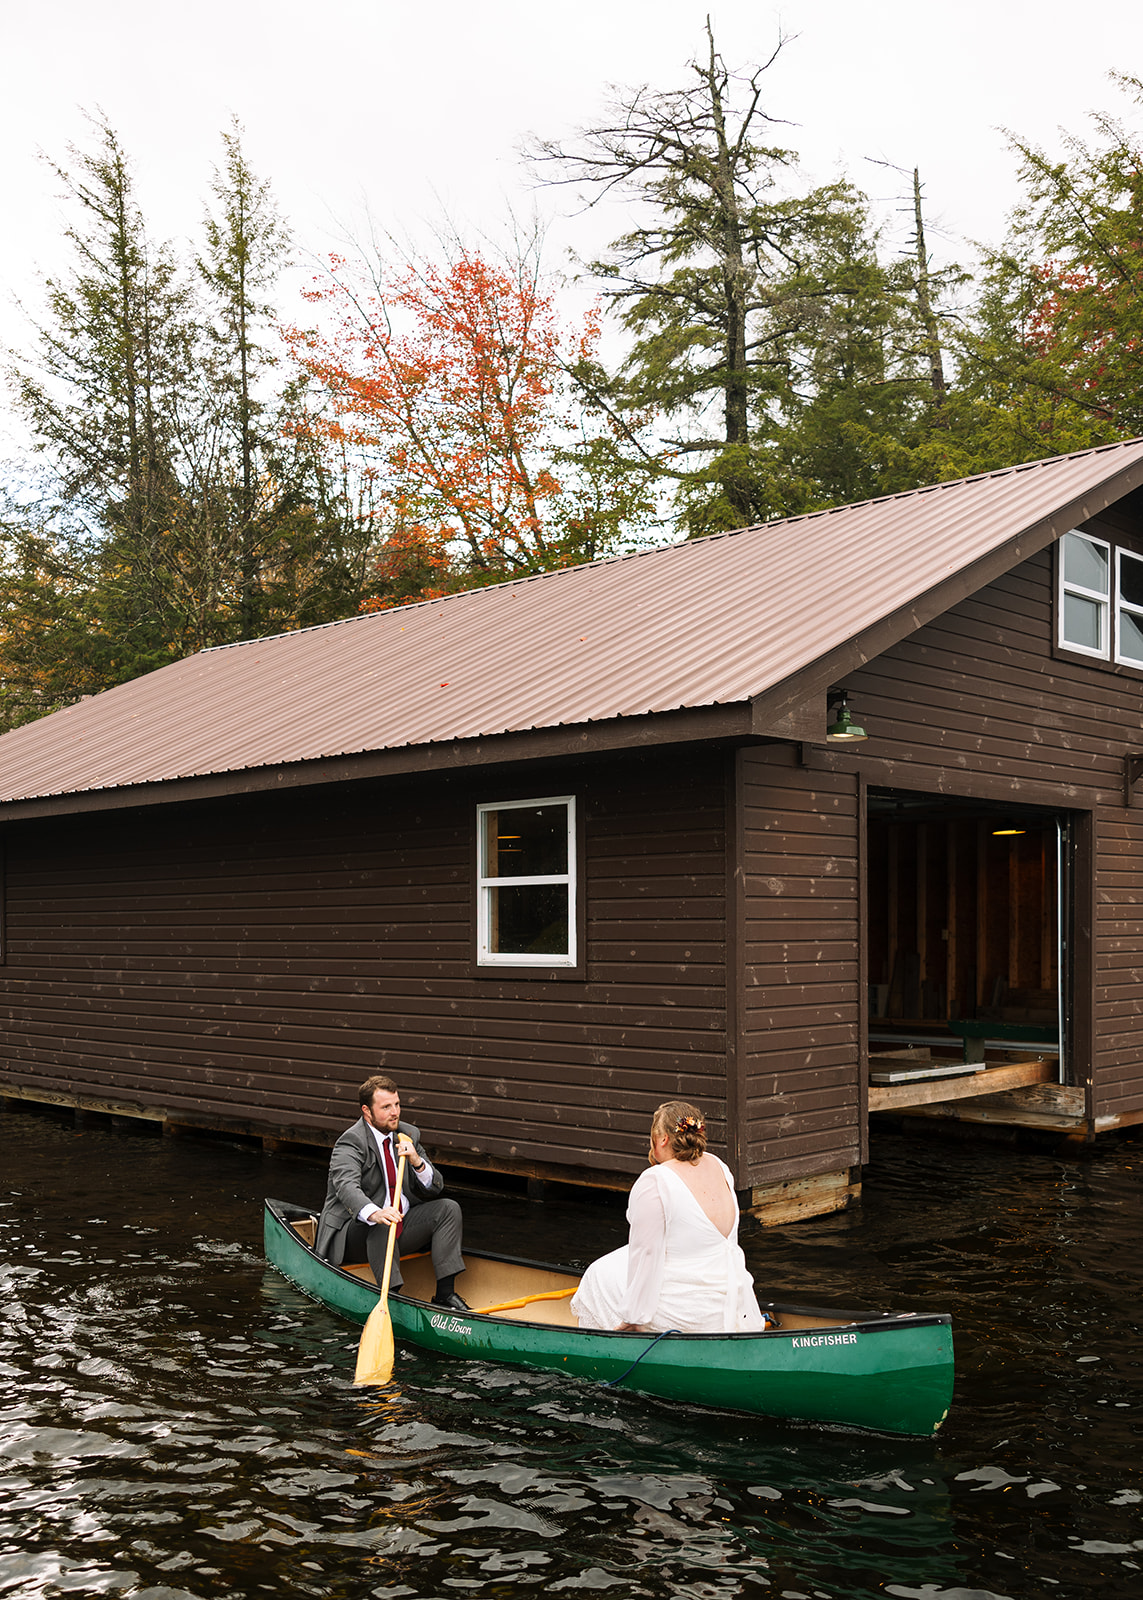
x=1006 y=833
x=843 y=729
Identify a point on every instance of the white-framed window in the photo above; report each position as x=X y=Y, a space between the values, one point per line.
x=1129 y=608
x=1100 y=599
x=526 y=883
x=1085 y=595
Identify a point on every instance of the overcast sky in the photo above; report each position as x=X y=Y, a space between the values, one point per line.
x=405 y=111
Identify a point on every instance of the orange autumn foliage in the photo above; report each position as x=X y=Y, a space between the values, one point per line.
x=451 y=380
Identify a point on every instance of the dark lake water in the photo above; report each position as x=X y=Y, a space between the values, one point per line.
x=179 y=1421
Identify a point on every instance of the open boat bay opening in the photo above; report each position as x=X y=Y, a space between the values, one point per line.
x=968 y=912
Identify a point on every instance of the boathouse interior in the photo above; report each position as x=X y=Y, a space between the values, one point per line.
x=966 y=910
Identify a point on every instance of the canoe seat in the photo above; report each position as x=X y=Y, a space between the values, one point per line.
x=306 y=1230
x=486 y=1283
x=423 y=1286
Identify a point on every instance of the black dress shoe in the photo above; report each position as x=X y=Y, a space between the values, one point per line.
x=450 y=1302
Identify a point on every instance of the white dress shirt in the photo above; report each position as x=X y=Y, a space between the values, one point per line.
x=424 y=1177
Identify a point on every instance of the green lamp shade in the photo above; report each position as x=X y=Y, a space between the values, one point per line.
x=843 y=729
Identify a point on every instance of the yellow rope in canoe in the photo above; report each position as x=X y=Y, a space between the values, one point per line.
x=512 y=1305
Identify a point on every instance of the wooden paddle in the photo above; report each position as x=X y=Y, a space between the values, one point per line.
x=375 y=1352
x=525 y=1300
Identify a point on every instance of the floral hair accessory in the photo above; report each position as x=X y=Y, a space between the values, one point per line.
x=690 y=1125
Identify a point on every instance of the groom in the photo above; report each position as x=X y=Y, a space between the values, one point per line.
x=360 y=1204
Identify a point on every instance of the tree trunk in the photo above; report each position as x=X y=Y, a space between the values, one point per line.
x=734 y=282
x=925 y=304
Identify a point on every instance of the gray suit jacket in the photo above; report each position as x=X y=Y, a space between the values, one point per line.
x=357 y=1178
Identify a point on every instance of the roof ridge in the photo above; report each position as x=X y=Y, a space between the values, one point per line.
x=676 y=544
x=944 y=483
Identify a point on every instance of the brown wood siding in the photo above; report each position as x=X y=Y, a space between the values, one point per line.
x=1119 y=961
x=256 y=959
x=977 y=704
x=801 y=919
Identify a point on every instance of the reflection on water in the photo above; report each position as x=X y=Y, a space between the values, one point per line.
x=179 y=1421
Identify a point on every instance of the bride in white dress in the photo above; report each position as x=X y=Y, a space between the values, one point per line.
x=682 y=1268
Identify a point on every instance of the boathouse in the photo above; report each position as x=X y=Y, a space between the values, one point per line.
x=554 y=851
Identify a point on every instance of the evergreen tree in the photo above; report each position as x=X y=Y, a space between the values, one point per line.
x=866 y=413
x=1052 y=359
x=103 y=400
x=187 y=508
x=699 y=284
x=775 y=308
x=245 y=246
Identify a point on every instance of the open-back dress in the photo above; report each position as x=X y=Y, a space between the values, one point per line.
x=676 y=1271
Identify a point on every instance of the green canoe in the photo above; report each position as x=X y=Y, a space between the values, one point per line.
x=866 y=1369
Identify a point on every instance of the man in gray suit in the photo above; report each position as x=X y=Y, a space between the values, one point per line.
x=360 y=1206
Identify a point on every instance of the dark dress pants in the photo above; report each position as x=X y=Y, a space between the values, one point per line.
x=436 y=1223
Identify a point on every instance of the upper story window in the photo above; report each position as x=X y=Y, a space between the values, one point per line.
x=1129 y=610
x=1100 y=599
x=1085 y=594
x=526 y=883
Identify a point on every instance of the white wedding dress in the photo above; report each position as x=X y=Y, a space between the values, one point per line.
x=676 y=1272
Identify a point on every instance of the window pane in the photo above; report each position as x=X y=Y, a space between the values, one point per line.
x=1083 y=622
x=1130 y=637
x=1131 y=578
x=529 y=920
x=1085 y=563
x=526 y=842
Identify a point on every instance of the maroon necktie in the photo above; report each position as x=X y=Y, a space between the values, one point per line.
x=391 y=1174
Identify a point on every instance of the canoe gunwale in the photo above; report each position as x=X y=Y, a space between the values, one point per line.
x=859 y=1322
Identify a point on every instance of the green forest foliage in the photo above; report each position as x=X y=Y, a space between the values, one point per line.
x=178 y=505
x=203 y=476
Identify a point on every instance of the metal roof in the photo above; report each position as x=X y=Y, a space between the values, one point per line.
x=710 y=622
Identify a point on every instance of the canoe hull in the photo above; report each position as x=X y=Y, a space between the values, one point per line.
x=889 y=1373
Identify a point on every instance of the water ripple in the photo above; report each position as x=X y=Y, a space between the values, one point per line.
x=177 y=1423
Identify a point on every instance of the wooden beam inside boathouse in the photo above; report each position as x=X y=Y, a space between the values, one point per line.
x=993 y=1080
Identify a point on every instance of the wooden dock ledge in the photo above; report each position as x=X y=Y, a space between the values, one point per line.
x=994 y=1080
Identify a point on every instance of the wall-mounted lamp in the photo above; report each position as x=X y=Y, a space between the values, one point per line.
x=842 y=728
x=1132 y=772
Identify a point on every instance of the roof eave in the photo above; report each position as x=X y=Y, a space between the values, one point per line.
x=700 y=724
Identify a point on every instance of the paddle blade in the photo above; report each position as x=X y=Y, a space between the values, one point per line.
x=375 y=1352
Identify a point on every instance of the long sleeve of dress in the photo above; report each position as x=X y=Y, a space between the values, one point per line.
x=647 y=1249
